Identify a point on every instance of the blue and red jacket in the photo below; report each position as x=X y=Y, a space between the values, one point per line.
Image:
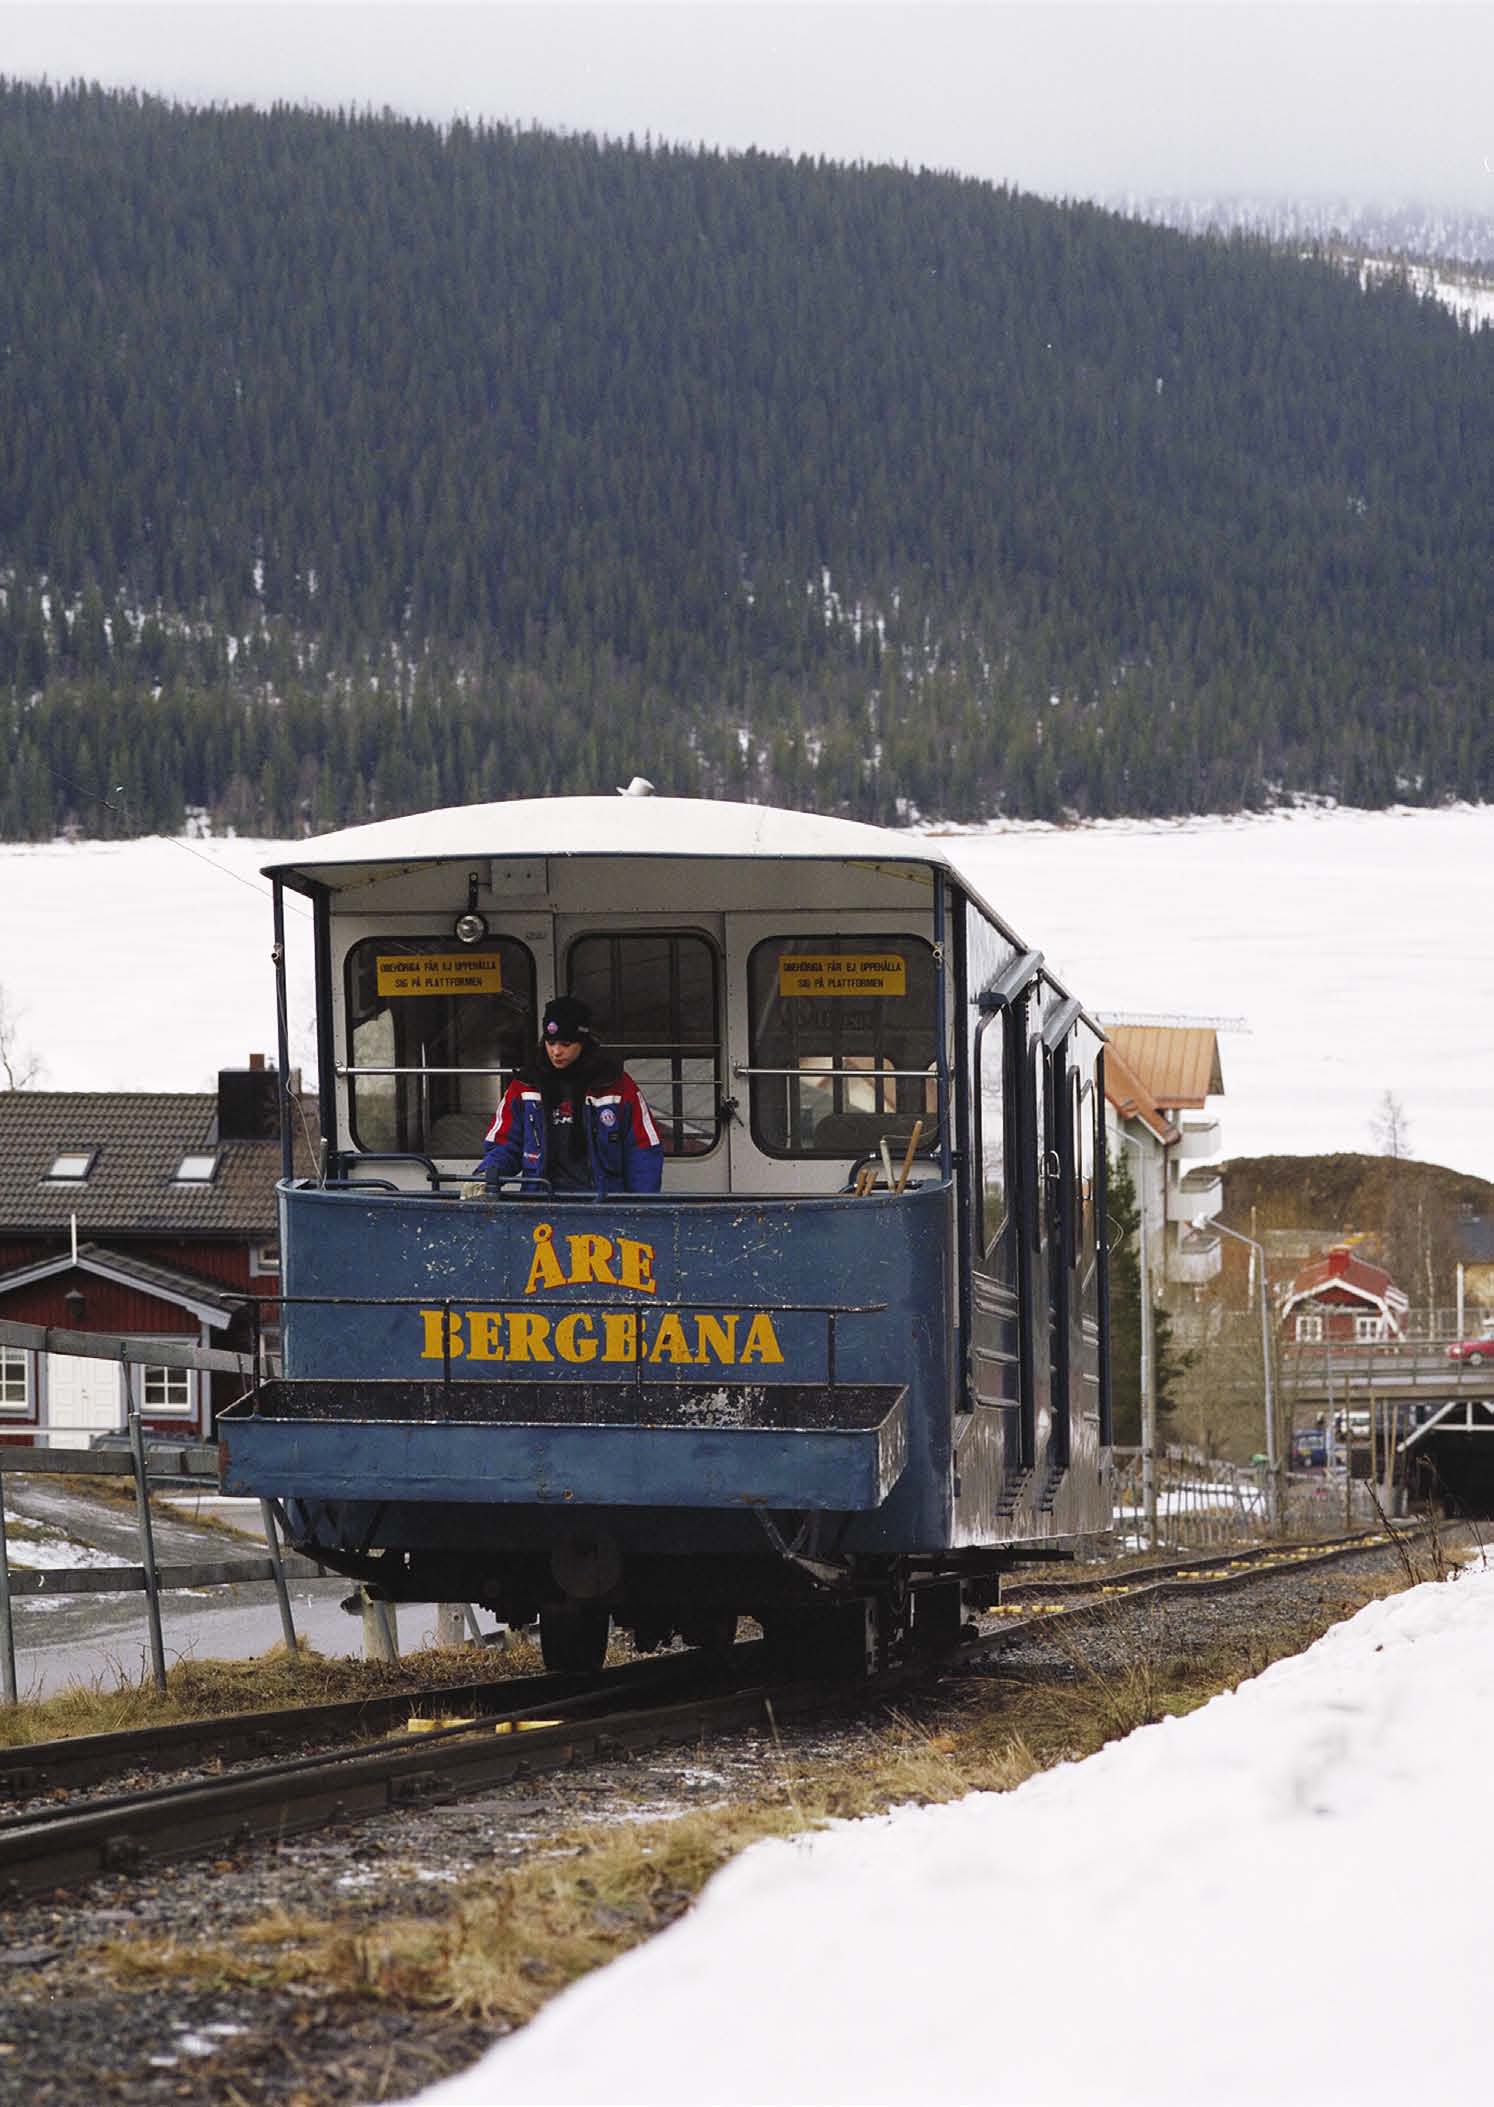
x=623 y=1151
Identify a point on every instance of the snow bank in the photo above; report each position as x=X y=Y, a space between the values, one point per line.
x=1282 y=1897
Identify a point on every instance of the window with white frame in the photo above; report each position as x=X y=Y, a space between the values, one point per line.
x=15 y=1379
x=1367 y=1330
x=1309 y=1328
x=71 y=1166
x=167 y=1392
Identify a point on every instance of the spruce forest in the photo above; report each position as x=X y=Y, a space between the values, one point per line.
x=350 y=465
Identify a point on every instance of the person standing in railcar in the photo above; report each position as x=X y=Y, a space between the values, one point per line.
x=573 y=1117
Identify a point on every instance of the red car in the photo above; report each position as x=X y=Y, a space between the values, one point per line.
x=1474 y=1351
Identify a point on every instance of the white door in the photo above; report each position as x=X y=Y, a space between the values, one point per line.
x=84 y=1398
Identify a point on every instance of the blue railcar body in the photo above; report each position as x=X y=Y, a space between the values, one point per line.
x=854 y=1350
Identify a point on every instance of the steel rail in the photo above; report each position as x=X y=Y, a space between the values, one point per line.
x=1370 y=1539
x=1098 y=1599
x=81 y=1759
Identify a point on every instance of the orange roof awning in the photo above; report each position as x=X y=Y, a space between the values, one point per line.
x=1177 y=1065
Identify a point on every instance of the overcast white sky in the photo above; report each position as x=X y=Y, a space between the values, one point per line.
x=1319 y=99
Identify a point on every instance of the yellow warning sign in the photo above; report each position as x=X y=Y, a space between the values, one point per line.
x=843 y=973
x=456 y=974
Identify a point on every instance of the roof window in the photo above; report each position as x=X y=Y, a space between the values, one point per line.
x=73 y=1164
x=197 y=1168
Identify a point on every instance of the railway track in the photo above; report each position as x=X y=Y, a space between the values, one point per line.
x=1233 y=1567
x=82 y=1759
x=540 y=1727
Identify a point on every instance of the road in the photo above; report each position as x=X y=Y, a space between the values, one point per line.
x=102 y=1639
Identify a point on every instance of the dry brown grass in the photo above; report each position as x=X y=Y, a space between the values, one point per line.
x=273 y=1681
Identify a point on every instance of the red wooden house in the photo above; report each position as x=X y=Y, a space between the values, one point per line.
x=142 y=1214
x=1339 y=1297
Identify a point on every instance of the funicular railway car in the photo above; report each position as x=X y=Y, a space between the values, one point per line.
x=846 y=1367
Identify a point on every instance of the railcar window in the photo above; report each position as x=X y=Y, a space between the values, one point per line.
x=843 y=1037
x=655 y=1003
x=991 y=1113
x=435 y=1029
x=1088 y=1222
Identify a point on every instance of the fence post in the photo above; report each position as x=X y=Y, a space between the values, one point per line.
x=380 y=1632
x=7 y=1627
x=147 y=1543
x=267 y=1518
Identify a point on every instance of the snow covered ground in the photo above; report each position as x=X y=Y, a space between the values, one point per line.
x=1335 y=935
x=1283 y=1897
x=1344 y=939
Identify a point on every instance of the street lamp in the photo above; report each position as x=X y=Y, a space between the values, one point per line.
x=1273 y=1469
x=1148 y=1364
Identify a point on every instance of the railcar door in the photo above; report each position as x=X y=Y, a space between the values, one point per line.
x=1040 y=1165
x=1084 y=1270
x=999 y=1361
x=1071 y=1233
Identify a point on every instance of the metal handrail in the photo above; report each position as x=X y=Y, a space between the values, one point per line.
x=346 y=1068
x=860 y=1075
x=830 y=1311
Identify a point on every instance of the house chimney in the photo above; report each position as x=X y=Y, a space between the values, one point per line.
x=256 y=1061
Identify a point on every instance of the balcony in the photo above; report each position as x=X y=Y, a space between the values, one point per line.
x=1197 y=1195
x=1195 y=1259
x=1201 y=1140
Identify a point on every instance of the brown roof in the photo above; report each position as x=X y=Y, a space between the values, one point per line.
x=139 y=1137
x=167 y=1282
x=1132 y=1100
x=1177 y=1064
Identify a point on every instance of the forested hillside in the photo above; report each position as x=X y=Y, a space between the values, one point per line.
x=349 y=464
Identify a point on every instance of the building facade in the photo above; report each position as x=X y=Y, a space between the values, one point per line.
x=1339 y=1298
x=143 y=1215
x=1159 y=1079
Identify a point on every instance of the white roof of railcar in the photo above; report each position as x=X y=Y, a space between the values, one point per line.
x=613 y=826
x=602 y=826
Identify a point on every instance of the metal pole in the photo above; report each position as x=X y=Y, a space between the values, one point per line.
x=380 y=1633
x=1148 y=1368
x=147 y=1546
x=272 y=1538
x=1273 y=1467
x=7 y=1626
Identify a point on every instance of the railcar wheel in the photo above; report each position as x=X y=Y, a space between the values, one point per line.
x=573 y=1637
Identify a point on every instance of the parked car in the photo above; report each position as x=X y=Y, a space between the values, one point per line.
x=1474 y=1351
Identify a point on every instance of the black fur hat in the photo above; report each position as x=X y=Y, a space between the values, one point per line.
x=566 y=1019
